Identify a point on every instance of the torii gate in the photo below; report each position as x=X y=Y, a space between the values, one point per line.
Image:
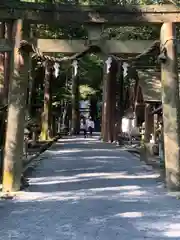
x=167 y=15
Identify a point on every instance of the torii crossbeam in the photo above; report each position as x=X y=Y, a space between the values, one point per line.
x=110 y=15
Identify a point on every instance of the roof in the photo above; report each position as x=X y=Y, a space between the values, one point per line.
x=150 y=83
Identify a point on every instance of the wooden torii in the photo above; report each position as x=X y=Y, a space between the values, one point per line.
x=72 y=46
x=22 y=12
x=62 y=14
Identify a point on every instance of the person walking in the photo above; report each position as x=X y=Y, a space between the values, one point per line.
x=83 y=126
x=90 y=126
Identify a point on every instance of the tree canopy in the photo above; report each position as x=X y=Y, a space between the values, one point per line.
x=90 y=66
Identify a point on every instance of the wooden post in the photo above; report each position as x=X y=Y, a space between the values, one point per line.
x=13 y=154
x=45 y=124
x=119 y=101
x=75 y=99
x=110 y=101
x=109 y=108
x=104 y=95
x=155 y=122
x=103 y=115
x=106 y=102
x=77 y=106
x=112 y=104
x=93 y=107
x=170 y=101
x=148 y=123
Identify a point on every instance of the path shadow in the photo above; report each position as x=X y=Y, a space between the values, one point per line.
x=103 y=194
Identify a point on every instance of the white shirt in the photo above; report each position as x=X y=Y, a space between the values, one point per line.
x=90 y=123
x=82 y=125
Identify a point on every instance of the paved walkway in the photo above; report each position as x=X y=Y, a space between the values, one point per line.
x=87 y=190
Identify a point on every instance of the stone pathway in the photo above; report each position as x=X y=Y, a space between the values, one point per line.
x=88 y=190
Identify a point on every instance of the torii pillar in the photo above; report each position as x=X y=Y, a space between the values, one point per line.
x=109 y=102
x=171 y=106
x=106 y=100
x=112 y=101
x=13 y=152
x=75 y=119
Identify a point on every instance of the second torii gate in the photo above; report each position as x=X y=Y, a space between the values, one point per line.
x=170 y=48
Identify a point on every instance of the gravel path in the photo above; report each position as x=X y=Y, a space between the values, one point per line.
x=88 y=190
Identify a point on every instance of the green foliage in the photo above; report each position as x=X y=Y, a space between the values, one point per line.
x=91 y=66
x=90 y=78
x=86 y=91
x=91 y=75
x=71 y=32
x=133 y=33
x=91 y=70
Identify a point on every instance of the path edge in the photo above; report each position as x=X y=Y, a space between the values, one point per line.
x=27 y=168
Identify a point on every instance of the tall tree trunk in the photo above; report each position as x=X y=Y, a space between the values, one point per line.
x=50 y=117
x=121 y=100
x=93 y=108
x=108 y=107
x=13 y=154
x=6 y=31
x=45 y=122
x=2 y=35
x=34 y=89
x=2 y=113
x=111 y=102
x=30 y=90
x=64 y=114
x=104 y=108
x=114 y=75
x=75 y=105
